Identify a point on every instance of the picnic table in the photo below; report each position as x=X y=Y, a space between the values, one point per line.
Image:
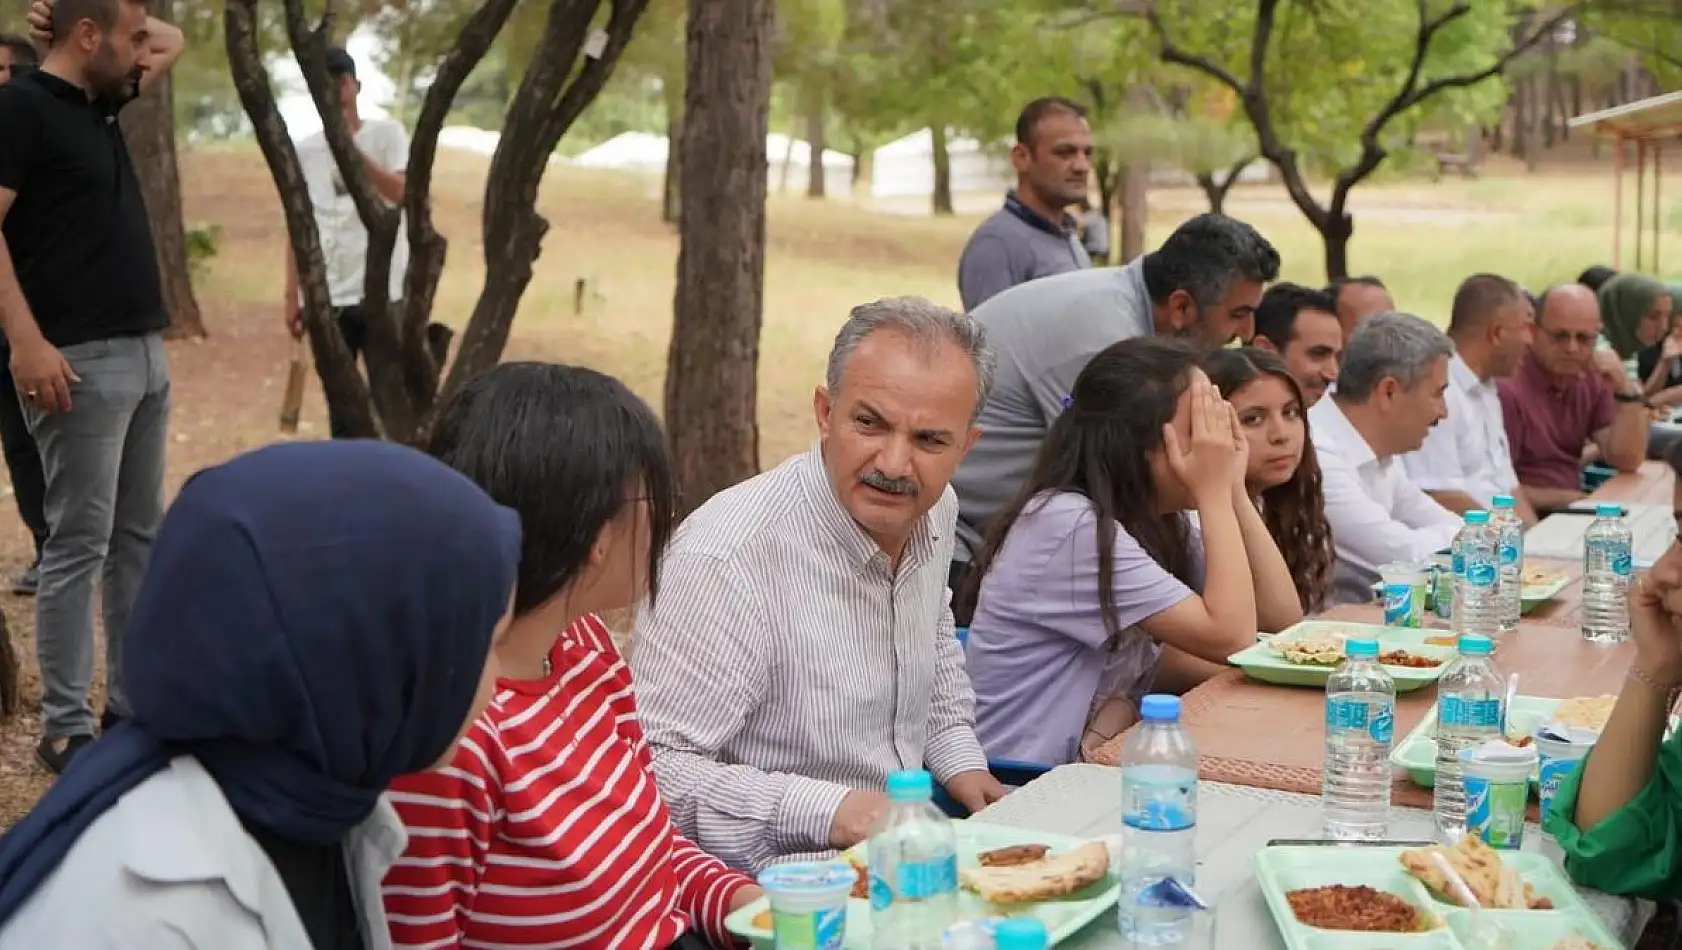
x=1234 y=822
x=1271 y=739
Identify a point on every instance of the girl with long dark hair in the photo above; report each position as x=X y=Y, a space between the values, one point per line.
x=1283 y=478
x=547 y=830
x=1095 y=585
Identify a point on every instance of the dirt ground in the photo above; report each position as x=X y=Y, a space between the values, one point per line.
x=226 y=396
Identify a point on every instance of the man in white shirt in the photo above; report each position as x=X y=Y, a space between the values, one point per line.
x=802 y=645
x=1466 y=461
x=1389 y=395
x=344 y=239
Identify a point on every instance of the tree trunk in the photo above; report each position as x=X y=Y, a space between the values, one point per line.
x=1336 y=232
x=149 y=128
x=1103 y=168
x=1135 y=209
x=942 y=160
x=713 y=363
x=815 y=147
x=671 y=196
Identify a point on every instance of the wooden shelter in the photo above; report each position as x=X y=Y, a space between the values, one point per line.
x=1646 y=125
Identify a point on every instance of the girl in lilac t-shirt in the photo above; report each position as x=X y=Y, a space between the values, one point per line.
x=1095 y=585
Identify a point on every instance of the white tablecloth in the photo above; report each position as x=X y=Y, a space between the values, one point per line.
x=1233 y=823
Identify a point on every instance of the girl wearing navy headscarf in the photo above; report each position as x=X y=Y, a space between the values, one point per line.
x=317 y=620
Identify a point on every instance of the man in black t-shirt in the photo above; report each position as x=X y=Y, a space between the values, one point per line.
x=81 y=305
x=23 y=463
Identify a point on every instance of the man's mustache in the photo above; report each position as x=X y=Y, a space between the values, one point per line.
x=893 y=486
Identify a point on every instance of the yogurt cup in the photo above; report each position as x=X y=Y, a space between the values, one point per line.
x=1496 y=776
x=1405 y=586
x=808 y=903
x=1560 y=749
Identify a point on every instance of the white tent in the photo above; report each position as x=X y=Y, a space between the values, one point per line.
x=905 y=167
x=646 y=153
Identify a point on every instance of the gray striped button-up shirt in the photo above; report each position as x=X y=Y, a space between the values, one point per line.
x=786 y=664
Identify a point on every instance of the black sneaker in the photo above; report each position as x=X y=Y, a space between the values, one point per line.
x=27 y=583
x=56 y=760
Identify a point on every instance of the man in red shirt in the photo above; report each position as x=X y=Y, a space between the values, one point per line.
x=1560 y=400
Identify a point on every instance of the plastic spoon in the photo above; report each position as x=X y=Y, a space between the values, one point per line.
x=1507 y=704
x=1485 y=933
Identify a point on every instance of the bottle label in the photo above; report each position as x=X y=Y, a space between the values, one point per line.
x=917 y=880
x=1152 y=803
x=1623 y=564
x=811 y=930
x=1481 y=572
x=1457 y=561
x=1348 y=714
x=1478 y=713
x=1509 y=553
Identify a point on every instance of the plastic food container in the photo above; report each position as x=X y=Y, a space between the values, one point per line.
x=1497 y=780
x=1560 y=749
x=808 y=904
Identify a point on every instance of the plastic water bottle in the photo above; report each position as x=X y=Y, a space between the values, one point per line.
x=1608 y=566
x=1360 y=722
x=1509 y=544
x=1469 y=696
x=1477 y=581
x=913 y=859
x=1159 y=824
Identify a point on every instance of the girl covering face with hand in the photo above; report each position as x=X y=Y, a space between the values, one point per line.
x=1283 y=478
x=1094 y=586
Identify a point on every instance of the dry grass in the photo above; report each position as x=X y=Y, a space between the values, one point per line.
x=823 y=258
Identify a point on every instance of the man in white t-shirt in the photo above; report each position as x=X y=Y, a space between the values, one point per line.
x=1389 y=395
x=1466 y=460
x=384 y=145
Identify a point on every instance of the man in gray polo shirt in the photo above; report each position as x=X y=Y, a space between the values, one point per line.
x=1033 y=235
x=1204 y=282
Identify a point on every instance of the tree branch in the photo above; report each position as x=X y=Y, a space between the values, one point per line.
x=424 y=353
x=341 y=383
x=1411 y=93
x=1170 y=53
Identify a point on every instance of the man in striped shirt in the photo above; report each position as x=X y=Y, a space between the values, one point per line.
x=802 y=646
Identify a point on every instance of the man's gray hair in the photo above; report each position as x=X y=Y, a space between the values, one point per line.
x=926 y=324
x=1391 y=345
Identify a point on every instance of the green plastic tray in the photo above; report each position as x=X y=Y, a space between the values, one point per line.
x=1063 y=918
x=1260 y=662
x=1283 y=869
x=1530 y=596
x=1417 y=752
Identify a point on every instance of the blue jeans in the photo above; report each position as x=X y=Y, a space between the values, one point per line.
x=104 y=467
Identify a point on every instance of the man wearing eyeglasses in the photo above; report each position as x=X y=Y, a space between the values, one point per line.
x=1560 y=401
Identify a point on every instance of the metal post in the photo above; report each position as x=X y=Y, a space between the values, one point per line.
x=1640 y=197
x=1617 y=200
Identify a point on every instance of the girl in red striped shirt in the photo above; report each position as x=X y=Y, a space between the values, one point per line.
x=546 y=830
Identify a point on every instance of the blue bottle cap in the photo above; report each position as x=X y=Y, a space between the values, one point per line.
x=1477 y=517
x=1502 y=501
x=1160 y=707
x=1365 y=649
x=1609 y=510
x=910 y=785
x=1020 y=933
x=1473 y=644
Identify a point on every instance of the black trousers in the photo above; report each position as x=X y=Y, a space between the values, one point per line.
x=354 y=327
x=29 y=482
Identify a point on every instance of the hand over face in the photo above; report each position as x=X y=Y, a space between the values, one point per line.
x=1207 y=464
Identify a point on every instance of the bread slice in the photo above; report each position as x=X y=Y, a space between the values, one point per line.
x=1046 y=879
